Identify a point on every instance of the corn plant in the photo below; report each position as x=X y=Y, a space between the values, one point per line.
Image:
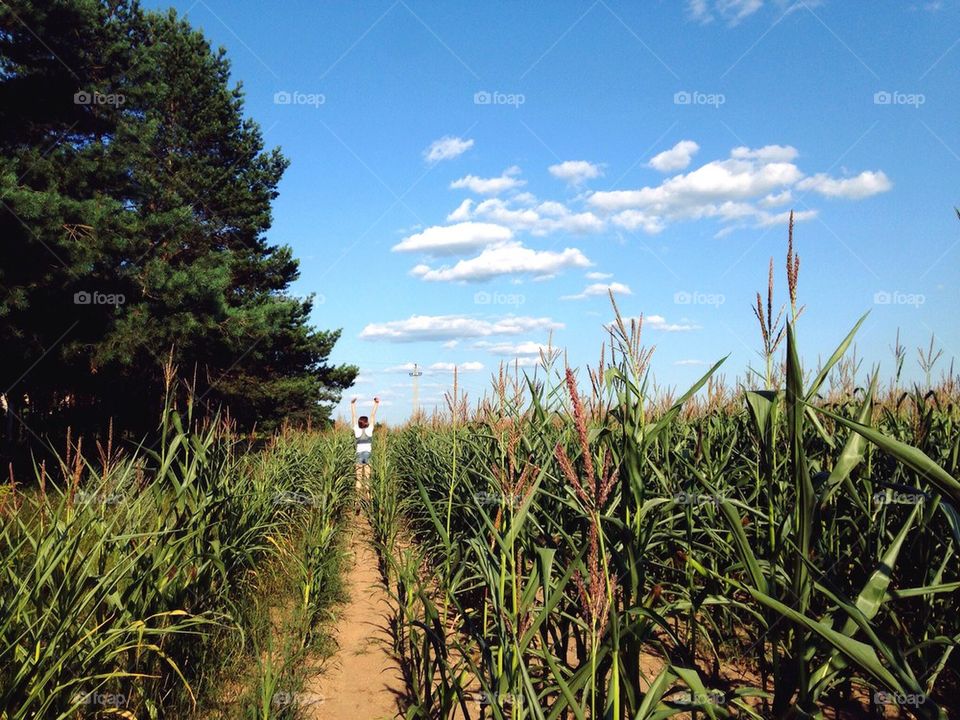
x=117 y=572
x=582 y=547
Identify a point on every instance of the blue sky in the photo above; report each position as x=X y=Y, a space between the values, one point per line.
x=467 y=177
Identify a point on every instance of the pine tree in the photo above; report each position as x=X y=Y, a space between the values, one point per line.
x=128 y=169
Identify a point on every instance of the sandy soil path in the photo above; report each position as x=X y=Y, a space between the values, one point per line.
x=361 y=681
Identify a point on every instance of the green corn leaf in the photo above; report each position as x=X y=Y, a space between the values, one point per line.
x=853 y=449
x=910 y=456
x=692 y=678
x=834 y=359
x=860 y=654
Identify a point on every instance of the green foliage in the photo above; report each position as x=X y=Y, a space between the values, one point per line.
x=157 y=190
x=779 y=558
x=116 y=579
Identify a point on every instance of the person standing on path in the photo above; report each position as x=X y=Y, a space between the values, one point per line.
x=363 y=432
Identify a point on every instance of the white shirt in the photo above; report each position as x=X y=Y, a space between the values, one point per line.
x=364 y=438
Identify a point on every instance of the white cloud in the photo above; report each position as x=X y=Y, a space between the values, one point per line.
x=449 y=239
x=768 y=153
x=691 y=362
x=522 y=354
x=659 y=322
x=527 y=347
x=561 y=218
x=600 y=289
x=762 y=219
x=767 y=219
x=499 y=211
x=737 y=10
x=692 y=194
x=451 y=343
x=599 y=276
x=575 y=172
x=633 y=219
x=462 y=212
x=449 y=327
x=471 y=366
x=676 y=158
x=774 y=199
x=505 y=259
x=553 y=208
x=855 y=188
x=736 y=191
x=699 y=11
x=732 y=11
x=746 y=189
x=490 y=186
x=446 y=148
x=547 y=217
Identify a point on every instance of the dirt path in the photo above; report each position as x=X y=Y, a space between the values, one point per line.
x=361 y=681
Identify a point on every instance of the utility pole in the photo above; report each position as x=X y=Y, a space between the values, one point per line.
x=415 y=374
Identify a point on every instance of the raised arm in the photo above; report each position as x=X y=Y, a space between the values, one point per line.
x=373 y=415
x=353 y=412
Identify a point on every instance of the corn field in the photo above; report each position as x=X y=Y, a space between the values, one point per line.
x=130 y=582
x=576 y=546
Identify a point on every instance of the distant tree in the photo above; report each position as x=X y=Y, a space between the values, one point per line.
x=128 y=169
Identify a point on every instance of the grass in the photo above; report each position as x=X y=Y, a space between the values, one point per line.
x=129 y=586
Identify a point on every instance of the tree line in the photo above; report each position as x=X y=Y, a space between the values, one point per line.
x=135 y=200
